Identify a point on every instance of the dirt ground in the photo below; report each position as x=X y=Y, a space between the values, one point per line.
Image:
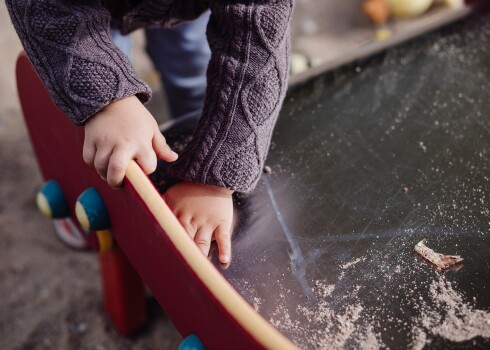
x=50 y=295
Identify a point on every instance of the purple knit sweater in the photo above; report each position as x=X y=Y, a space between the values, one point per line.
x=70 y=47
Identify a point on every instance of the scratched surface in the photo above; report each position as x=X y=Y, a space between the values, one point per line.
x=366 y=161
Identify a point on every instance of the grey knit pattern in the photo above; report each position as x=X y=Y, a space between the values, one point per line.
x=247 y=76
x=72 y=52
x=247 y=79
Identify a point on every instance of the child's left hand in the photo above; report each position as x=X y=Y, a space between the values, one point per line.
x=206 y=212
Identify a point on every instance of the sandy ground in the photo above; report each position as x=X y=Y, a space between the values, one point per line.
x=50 y=295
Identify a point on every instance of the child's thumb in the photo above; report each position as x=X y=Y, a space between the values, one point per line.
x=162 y=150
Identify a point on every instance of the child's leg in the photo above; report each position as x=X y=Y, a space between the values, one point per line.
x=181 y=55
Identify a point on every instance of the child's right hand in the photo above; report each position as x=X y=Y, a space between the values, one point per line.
x=122 y=131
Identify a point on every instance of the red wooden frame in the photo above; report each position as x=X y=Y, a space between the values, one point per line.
x=191 y=291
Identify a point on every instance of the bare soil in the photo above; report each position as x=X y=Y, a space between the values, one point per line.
x=50 y=295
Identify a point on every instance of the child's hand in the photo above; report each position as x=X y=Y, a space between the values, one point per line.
x=206 y=212
x=122 y=131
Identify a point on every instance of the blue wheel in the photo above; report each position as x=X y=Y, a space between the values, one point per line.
x=192 y=342
x=51 y=200
x=91 y=211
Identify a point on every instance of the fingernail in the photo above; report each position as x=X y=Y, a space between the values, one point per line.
x=224 y=258
x=172 y=153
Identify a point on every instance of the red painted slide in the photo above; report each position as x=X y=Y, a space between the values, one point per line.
x=151 y=247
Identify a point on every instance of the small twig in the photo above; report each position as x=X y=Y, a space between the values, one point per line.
x=439 y=261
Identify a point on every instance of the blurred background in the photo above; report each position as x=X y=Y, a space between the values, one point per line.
x=50 y=294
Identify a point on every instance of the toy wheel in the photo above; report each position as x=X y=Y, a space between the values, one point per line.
x=91 y=211
x=192 y=342
x=69 y=233
x=51 y=200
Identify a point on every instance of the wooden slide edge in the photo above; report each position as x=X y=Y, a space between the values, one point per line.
x=263 y=332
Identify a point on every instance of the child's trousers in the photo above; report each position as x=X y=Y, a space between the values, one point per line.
x=181 y=55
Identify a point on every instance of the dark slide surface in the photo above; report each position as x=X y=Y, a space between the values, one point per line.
x=367 y=161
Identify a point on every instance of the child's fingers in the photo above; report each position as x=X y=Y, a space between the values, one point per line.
x=161 y=148
x=101 y=160
x=88 y=153
x=189 y=228
x=117 y=166
x=222 y=236
x=203 y=239
x=147 y=160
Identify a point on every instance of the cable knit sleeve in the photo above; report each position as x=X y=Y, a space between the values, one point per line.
x=247 y=81
x=71 y=50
